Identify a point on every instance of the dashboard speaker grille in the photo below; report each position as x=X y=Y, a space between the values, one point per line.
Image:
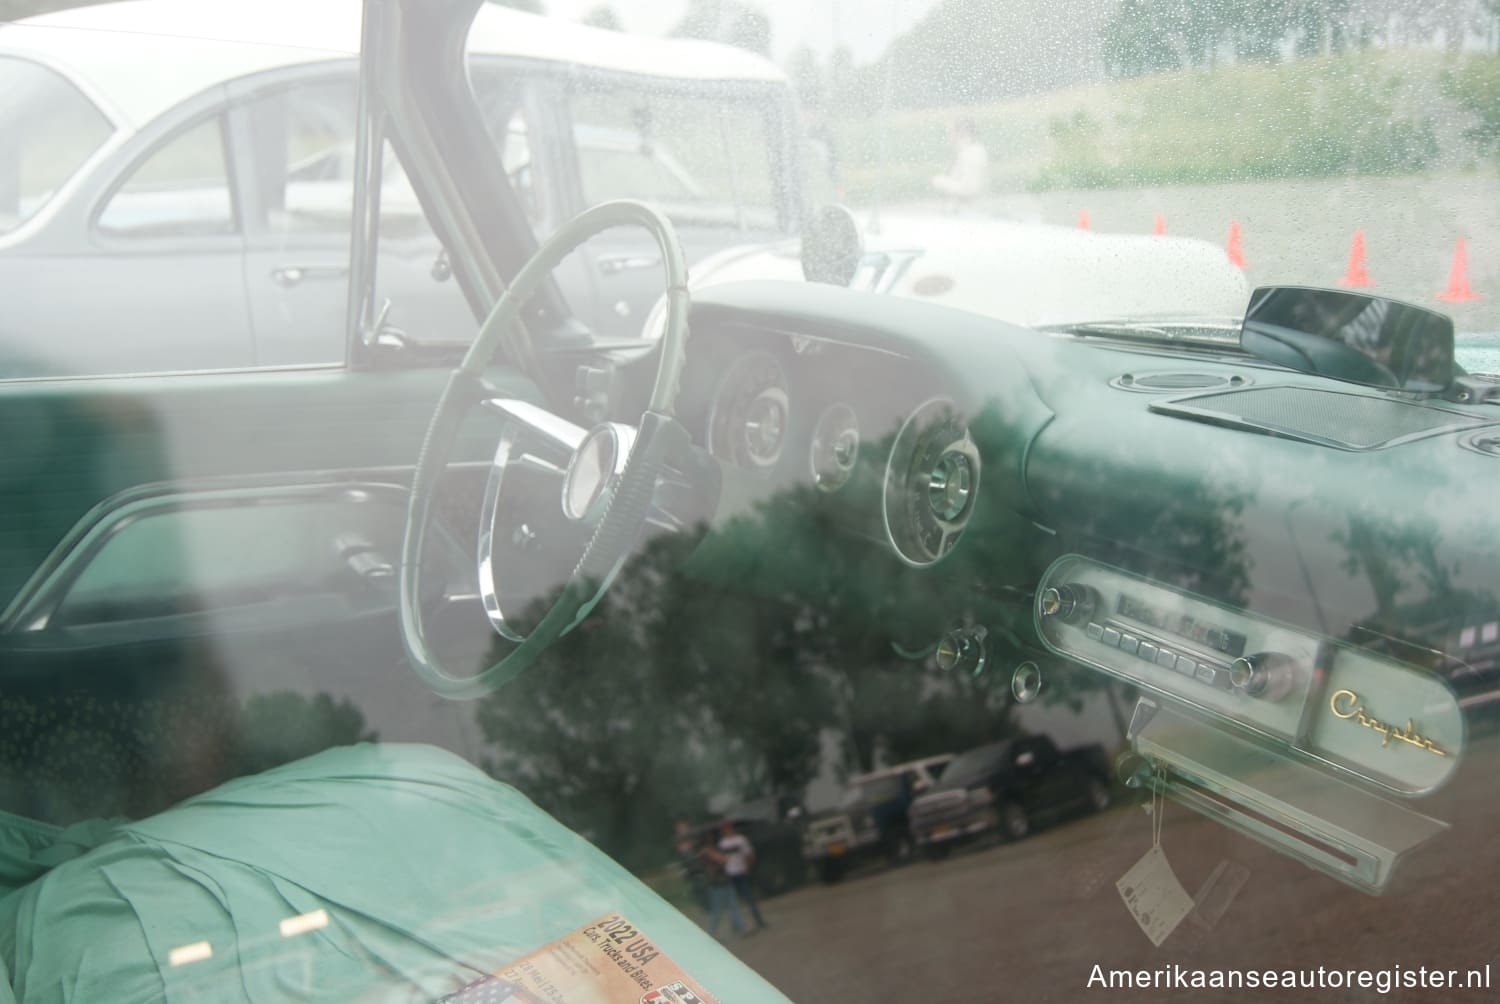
x=1156 y=382
x=1351 y=421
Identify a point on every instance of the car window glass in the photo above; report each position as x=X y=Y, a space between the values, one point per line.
x=302 y=147
x=47 y=130
x=703 y=159
x=180 y=190
x=973 y=765
x=501 y=95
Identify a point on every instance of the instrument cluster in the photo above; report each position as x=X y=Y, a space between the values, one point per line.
x=783 y=419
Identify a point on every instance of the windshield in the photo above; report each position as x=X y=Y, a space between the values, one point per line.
x=704 y=160
x=737 y=501
x=973 y=766
x=875 y=790
x=48 y=129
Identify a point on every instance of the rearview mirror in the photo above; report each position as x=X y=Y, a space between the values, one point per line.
x=1350 y=336
x=832 y=246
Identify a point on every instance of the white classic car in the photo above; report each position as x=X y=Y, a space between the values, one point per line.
x=1029 y=273
x=228 y=177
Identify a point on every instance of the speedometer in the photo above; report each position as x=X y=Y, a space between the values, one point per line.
x=931 y=482
x=748 y=424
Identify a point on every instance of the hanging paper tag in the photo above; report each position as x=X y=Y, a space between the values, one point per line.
x=1153 y=895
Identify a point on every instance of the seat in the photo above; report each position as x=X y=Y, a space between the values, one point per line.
x=402 y=871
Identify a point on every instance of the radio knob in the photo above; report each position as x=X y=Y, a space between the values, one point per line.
x=1066 y=602
x=1266 y=675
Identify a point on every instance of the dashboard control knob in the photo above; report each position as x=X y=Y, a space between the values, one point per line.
x=962 y=650
x=1026 y=682
x=949 y=485
x=1067 y=602
x=1266 y=675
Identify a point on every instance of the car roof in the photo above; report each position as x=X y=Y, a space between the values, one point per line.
x=900 y=768
x=103 y=48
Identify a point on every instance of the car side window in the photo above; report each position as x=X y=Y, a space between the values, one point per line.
x=502 y=97
x=48 y=130
x=703 y=158
x=299 y=156
x=302 y=145
x=180 y=190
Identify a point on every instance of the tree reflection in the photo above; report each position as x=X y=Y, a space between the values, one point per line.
x=284 y=726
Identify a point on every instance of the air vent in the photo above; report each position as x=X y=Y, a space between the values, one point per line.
x=1486 y=442
x=1341 y=419
x=1155 y=383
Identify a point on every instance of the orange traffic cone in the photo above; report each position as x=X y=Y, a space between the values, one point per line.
x=1458 y=290
x=1083 y=219
x=1232 y=246
x=1355 y=274
x=1159 y=225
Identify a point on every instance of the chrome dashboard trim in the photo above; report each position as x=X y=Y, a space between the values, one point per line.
x=1312 y=738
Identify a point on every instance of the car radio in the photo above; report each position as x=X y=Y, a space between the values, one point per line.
x=1386 y=723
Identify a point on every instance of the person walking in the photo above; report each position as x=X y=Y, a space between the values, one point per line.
x=686 y=845
x=739 y=859
x=721 y=898
x=969 y=177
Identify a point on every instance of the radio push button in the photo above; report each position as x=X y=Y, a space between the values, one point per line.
x=1213 y=676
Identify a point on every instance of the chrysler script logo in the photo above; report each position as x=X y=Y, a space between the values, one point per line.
x=1346 y=704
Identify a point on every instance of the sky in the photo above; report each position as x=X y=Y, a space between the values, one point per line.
x=865 y=26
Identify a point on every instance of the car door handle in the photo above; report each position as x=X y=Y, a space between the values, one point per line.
x=292 y=275
x=615 y=264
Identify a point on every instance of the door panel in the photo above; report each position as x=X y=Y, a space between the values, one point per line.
x=102 y=716
x=76 y=444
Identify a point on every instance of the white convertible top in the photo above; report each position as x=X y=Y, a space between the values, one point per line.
x=138 y=58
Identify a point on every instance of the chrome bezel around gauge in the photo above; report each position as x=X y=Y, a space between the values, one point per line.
x=931 y=483
x=835 y=447
x=749 y=422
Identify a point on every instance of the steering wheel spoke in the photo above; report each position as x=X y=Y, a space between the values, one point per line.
x=532 y=423
x=614 y=481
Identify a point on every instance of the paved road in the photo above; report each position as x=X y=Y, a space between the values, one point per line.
x=1028 y=922
x=1299 y=231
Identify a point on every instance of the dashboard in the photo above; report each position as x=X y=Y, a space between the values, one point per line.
x=1283 y=589
x=866 y=435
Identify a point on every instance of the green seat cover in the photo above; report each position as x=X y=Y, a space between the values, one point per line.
x=430 y=874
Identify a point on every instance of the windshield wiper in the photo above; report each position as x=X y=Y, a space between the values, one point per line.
x=1214 y=333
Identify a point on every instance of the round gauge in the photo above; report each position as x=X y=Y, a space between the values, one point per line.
x=835 y=447
x=931 y=482
x=748 y=424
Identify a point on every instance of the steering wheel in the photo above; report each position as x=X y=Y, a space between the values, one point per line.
x=609 y=483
